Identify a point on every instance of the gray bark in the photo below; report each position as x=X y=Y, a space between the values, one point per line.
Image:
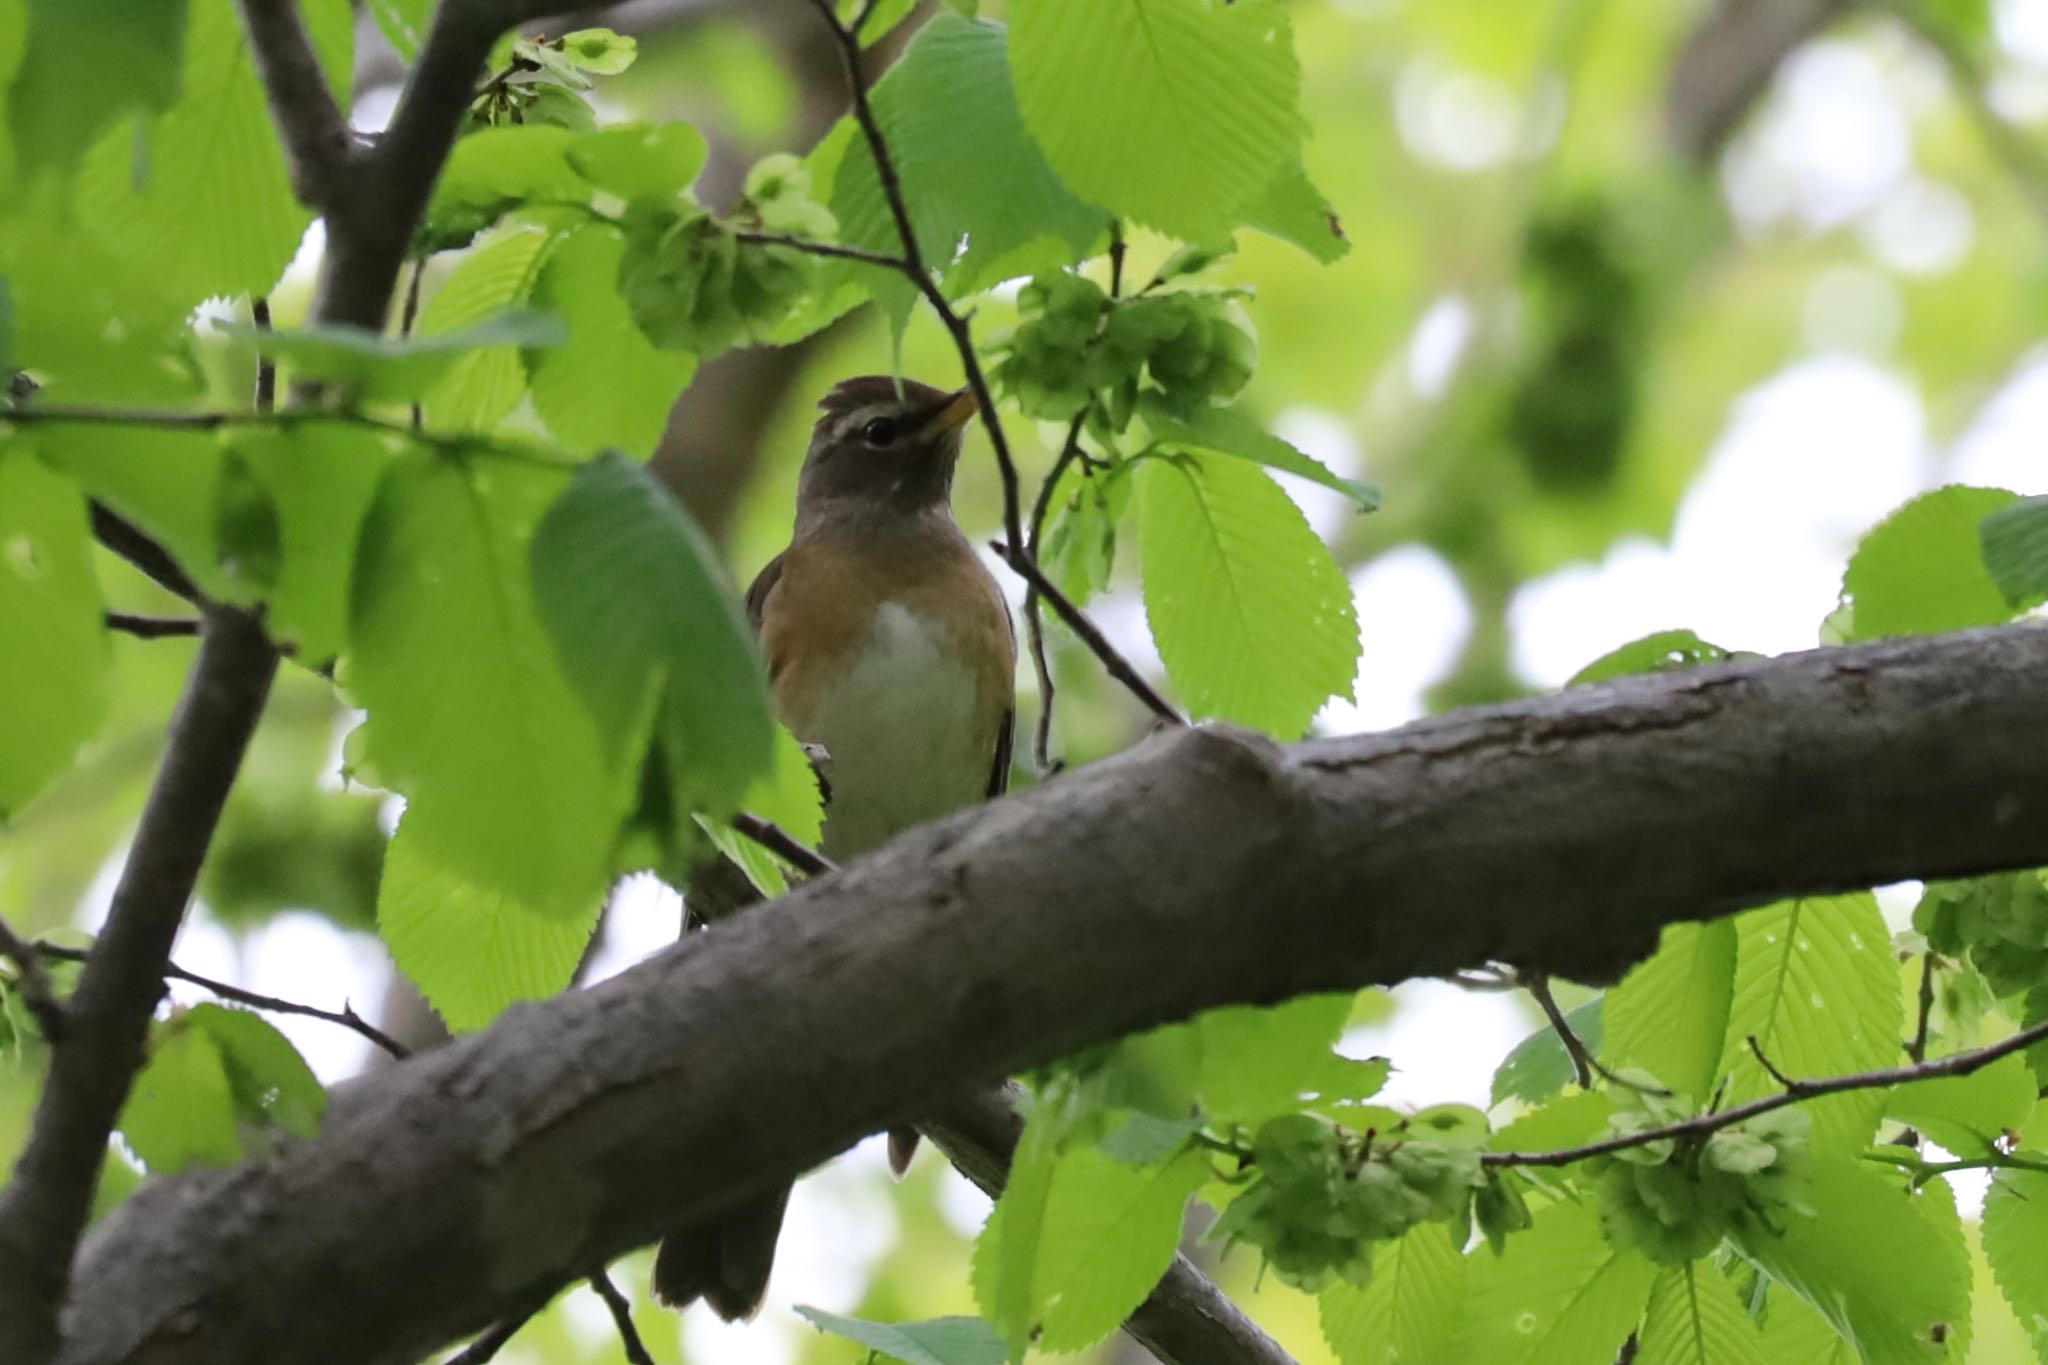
x=1206 y=867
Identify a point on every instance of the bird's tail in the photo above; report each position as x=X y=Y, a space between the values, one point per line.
x=724 y=1259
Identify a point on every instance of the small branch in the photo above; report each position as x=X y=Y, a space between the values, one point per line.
x=44 y=1207
x=486 y=1345
x=832 y=250
x=1034 y=618
x=346 y=1016
x=783 y=845
x=33 y=983
x=317 y=143
x=1916 y=1046
x=135 y=545
x=283 y=420
x=266 y=368
x=622 y=1318
x=1700 y=1125
x=1091 y=635
x=1583 y=1065
x=1792 y=1087
x=152 y=627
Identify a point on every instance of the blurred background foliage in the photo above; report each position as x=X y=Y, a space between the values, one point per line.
x=1595 y=243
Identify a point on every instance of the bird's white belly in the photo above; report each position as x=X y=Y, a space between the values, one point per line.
x=904 y=734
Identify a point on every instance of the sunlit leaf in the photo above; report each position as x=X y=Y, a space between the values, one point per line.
x=470 y=717
x=1694 y=1318
x=2016 y=1242
x=374 y=368
x=1409 y=1311
x=472 y=952
x=1560 y=1295
x=1655 y=653
x=938 y=1341
x=1176 y=113
x=54 y=666
x=1922 y=569
x=483 y=386
x=1669 y=1015
x=1254 y=619
x=1227 y=431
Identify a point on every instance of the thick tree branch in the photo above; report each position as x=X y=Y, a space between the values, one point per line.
x=1558 y=834
x=43 y=1209
x=315 y=133
x=1727 y=62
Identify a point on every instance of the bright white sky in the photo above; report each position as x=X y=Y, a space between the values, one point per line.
x=1804 y=463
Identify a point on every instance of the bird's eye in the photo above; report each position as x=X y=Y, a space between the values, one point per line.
x=878 y=432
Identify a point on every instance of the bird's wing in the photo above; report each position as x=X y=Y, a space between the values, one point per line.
x=999 y=774
x=757 y=592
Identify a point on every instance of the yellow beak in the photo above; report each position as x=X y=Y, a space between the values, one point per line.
x=959 y=410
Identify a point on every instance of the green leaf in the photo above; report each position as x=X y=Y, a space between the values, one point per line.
x=1258 y=1062
x=1922 y=568
x=1888 y=1269
x=470 y=951
x=1175 y=113
x=1968 y=1114
x=2015 y=545
x=641 y=160
x=82 y=65
x=1559 y=1294
x=181 y=1110
x=598 y=50
x=1228 y=431
x=1409 y=1312
x=201 y=193
x=93 y=326
x=1294 y=210
x=1669 y=1015
x=321 y=480
x=608 y=387
x=1252 y=616
x=403 y=24
x=482 y=387
x=1793 y=1331
x=2016 y=1243
x=1816 y=984
x=938 y=1341
x=1111 y=1231
x=272 y=1086
x=947 y=110
x=372 y=368
x=54 y=668
x=1539 y=1066
x=614 y=531
x=492 y=171
x=470 y=717
x=1695 y=1319
x=1572 y=1121
x=1655 y=653
x=1006 y=1253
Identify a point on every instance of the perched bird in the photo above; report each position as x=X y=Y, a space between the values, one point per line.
x=890 y=649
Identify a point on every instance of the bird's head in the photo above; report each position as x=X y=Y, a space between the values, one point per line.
x=884 y=444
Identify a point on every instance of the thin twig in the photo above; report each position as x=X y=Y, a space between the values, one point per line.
x=266 y=368
x=285 y=419
x=487 y=1343
x=833 y=250
x=1538 y=987
x=1916 y=1046
x=138 y=547
x=1034 y=618
x=152 y=627
x=346 y=1016
x=1119 y=667
x=783 y=844
x=1957 y=1064
x=408 y=315
x=622 y=1318
x=1792 y=1087
x=33 y=983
